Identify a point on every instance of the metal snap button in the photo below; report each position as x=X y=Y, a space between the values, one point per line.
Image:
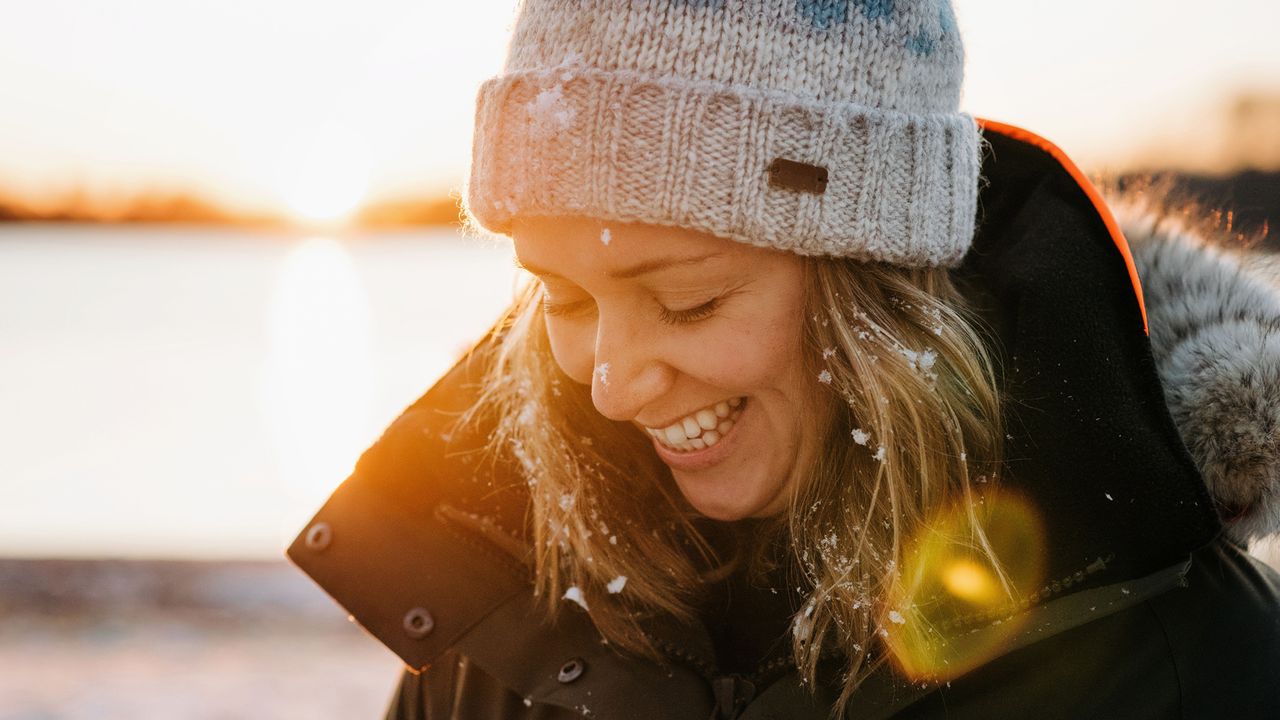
x=571 y=670
x=319 y=536
x=418 y=623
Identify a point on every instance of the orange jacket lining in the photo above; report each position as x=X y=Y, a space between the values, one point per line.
x=1117 y=236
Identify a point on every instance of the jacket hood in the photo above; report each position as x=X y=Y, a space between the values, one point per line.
x=1116 y=435
x=1214 y=314
x=1091 y=441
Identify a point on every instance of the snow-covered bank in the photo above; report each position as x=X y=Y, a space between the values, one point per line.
x=113 y=639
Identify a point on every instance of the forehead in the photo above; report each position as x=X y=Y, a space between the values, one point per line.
x=567 y=245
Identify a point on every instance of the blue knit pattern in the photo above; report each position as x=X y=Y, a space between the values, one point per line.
x=822 y=14
x=947 y=18
x=925 y=41
x=874 y=9
x=921 y=43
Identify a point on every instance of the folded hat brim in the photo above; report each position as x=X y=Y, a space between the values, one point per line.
x=898 y=187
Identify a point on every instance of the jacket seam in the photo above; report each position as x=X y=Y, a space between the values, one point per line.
x=455 y=694
x=707 y=670
x=1173 y=658
x=473 y=537
x=1051 y=589
x=768 y=668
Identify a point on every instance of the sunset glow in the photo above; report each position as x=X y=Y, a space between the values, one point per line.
x=219 y=101
x=322 y=175
x=317 y=384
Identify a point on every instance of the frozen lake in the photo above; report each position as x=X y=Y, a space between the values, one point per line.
x=191 y=392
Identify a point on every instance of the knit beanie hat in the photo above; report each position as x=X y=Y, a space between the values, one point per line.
x=820 y=127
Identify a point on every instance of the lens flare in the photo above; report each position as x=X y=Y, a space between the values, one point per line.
x=970 y=581
x=954 y=608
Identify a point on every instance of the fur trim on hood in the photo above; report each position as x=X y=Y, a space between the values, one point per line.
x=1214 y=318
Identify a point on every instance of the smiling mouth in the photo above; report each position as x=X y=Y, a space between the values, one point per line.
x=700 y=429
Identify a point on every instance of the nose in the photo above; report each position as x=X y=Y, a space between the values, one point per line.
x=629 y=370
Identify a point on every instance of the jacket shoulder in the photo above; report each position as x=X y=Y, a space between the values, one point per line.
x=396 y=546
x=1223 y=634
x=1208 y=649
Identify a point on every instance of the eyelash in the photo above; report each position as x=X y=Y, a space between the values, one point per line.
x=561 y=309
x=670 y=317
x=692 y=315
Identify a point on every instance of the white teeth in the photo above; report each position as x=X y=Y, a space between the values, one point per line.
x=675 y=434
x=691 y=428
x=702 y=429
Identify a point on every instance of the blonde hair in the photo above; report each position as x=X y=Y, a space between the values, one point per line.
x=915 y=420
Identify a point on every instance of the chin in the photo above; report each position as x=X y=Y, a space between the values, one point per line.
x=722 y=512
x=727 y=503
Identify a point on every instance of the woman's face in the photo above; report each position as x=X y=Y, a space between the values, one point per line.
x=693 y=339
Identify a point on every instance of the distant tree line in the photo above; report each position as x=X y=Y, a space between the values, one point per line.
x=1246 y=203
x=79 y=206
x=178 y=207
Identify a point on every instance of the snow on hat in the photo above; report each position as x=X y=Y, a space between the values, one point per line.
x=820 y=127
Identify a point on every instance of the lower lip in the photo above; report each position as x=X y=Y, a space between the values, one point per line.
x=693 y=460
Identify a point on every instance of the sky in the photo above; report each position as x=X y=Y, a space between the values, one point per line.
x=314 y=106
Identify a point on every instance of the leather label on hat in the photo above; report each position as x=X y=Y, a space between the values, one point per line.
x=784 y=173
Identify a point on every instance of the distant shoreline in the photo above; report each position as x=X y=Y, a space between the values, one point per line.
x=1248 y=201
x=189 y=209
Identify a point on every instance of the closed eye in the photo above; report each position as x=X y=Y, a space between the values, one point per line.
x=569 y=309
x=681 y=317
x=665 y=315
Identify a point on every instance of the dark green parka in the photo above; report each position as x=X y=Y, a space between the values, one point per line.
x=1152 y=610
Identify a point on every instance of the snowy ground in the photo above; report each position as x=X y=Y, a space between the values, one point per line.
x=176 y=669
x=191 y=641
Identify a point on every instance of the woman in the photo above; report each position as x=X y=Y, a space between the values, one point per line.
x=798 y=418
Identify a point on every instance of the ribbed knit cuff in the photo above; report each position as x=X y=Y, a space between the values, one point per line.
x=899 y=187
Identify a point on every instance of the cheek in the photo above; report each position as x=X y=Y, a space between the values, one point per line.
x=764 y=347
x=749 y=355
x=781 y=330
x=573 y=347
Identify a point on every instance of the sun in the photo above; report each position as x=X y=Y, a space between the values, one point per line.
x=322 y=175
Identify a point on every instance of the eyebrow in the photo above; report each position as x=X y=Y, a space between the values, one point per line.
x=643 y=268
